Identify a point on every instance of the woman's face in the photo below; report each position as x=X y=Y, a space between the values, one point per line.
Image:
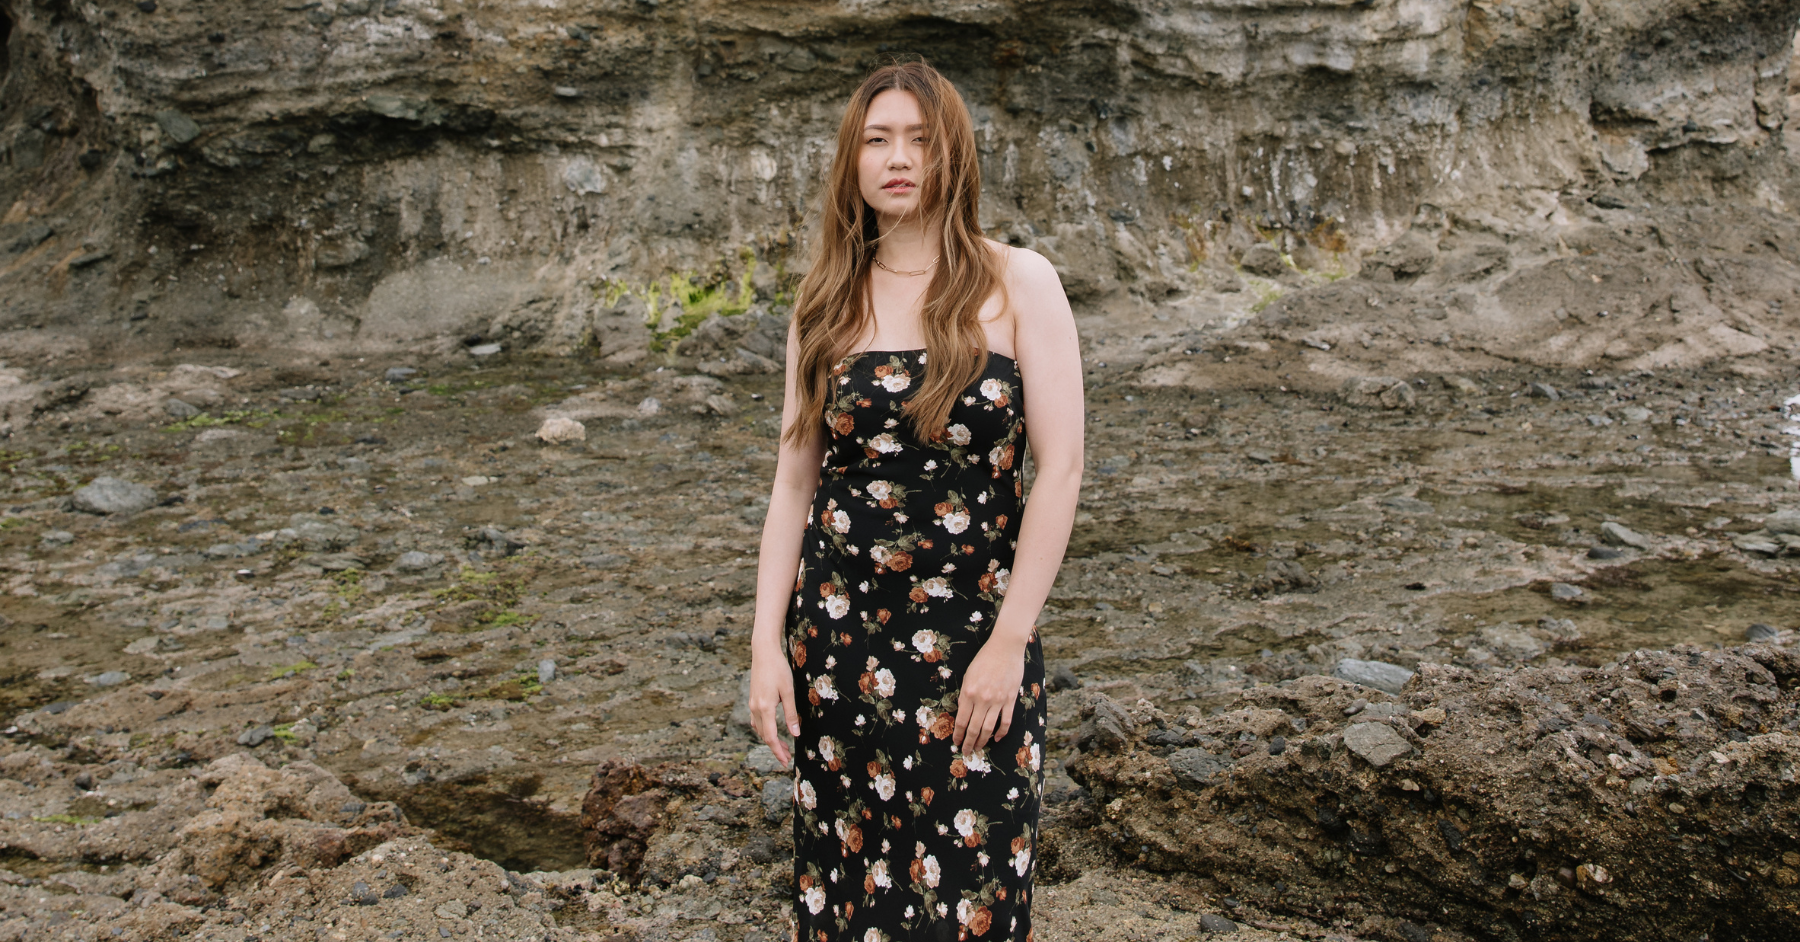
x=893 y=154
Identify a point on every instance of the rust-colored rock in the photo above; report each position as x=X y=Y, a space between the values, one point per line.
x=1546 y=803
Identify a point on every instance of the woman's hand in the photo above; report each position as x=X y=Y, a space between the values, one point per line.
x=772 y=685
x=990 y=688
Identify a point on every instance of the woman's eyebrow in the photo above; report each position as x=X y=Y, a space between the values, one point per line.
x=883 y=127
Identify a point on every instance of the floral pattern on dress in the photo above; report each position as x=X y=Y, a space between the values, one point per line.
x=905 y=563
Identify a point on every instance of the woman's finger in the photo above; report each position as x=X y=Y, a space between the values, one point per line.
x=1005 y=725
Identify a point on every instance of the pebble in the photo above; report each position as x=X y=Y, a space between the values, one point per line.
x=1616 y=534
x=1376 y=743
x=762 y=760
x=108 y=495
x=416 y=561
x=650 y=406
x=1604 y=552
x=777 y=798
x=1195 y=767
x=1408 y=505
x=175 y=408
x=546 y=671
x=1062 y=678
x=301 y=393
x=484 y=349
x=109 y=679
x=399 y=374
x=1381 y=675
x=256 y=736
x=1215 y=924
x=1277 y=745
x=361 y=895
x=143 y=645
x=58 y=538
x=559 y=431
x=1762 y=632
x=1545 y=391
x=1565 y=591
x=1635 y=414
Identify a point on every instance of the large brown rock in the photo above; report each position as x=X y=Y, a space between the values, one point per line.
x=1654 y=798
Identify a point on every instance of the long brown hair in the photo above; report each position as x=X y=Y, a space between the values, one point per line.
x=832 y=306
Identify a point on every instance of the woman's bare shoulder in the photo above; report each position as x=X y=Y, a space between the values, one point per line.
x=1024 y=268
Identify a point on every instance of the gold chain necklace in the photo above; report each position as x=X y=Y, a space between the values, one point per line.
x=898 y=272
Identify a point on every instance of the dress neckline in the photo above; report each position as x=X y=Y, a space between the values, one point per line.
x=864 y=353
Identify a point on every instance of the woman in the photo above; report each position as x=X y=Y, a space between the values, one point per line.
x=896 y=529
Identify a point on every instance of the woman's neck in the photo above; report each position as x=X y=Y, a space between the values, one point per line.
x=908 y=244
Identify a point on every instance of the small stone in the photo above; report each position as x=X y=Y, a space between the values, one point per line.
x=1381 y=675
x=1762 y=632
x=452 y=909
x=1408 y=505
x=1592 y=878
x=1062 y=678
x=561 y=431
x=396 y=891
x=1759 y=543
x=1462 y=386
x=256 y=736
x=361 y=895
x=1356 y=706
x=777 y=798
x=1786 y=521
x=1430 y=717
x=1604 y=552
x=1565 y=592
x=399 y=374
x=108 y=495
x=484 y=349
x=762 y=761
x=143 y=645
x=1615 y=534
x=477 y=480
x=721 y=404
x=109 y=679
x=1263 y=260
x=179 y=127
x=1544 y=391
x=1215 y=924
x=546 y=671
x=565 y=91
x=1196 y=767
x=1258 y=456
x=650 y=406
x=1635 y=414
x=604 y=561
x=416 y=561
x=1599 y=421
x=1277 y=745
x=58 y=538
x=1376 y=743
x=301 y=393
x=177 y=409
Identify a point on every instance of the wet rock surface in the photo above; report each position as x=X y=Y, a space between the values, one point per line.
x=1548 y=803
x=322 y=602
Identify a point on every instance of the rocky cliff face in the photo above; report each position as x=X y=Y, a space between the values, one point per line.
x=359 y=174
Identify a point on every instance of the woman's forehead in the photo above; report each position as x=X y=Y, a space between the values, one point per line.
x=895 y=106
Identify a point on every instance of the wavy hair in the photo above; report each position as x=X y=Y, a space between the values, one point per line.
x=832 y=305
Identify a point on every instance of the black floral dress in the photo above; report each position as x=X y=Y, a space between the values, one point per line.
x=906 y=559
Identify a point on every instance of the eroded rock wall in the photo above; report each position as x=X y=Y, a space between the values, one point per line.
x=1542 y=803
x=381 y=173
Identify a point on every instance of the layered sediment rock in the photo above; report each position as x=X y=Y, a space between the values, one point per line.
x=377 y=174
x=1652 y=798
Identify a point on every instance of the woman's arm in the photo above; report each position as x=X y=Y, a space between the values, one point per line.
x=1049 y=357
x=778 y=565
